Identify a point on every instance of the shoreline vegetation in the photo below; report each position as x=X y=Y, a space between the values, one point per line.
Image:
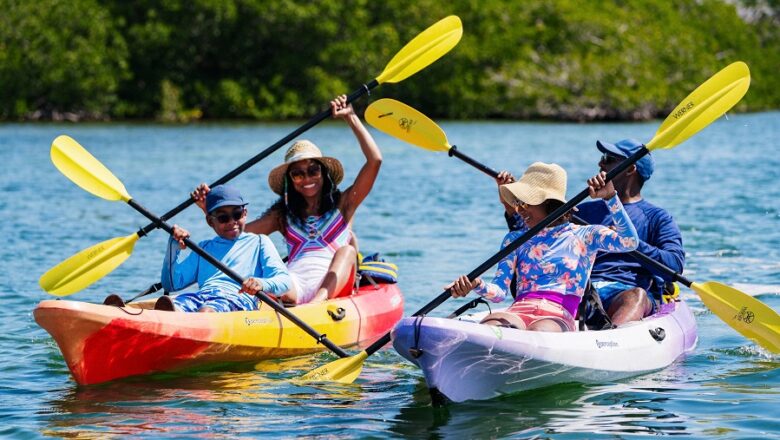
x=210 y=60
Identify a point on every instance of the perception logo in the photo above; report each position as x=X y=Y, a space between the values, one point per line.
x=608 y=344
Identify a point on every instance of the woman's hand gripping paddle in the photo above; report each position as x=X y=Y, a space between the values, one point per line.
x=93 y=263
x=86 y=171
x=707 y=103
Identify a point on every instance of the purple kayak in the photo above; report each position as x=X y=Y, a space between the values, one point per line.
x=464 y=360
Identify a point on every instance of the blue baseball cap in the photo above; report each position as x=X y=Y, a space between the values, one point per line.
x=223 y=195
x=626 y=148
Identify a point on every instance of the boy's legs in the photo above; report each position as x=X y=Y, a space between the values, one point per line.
x=209 y=301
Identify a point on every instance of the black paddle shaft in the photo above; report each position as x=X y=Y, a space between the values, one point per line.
x=322 y=339
x=500 y=255
x=365 y=89
x=453 y=151
x=661 y=267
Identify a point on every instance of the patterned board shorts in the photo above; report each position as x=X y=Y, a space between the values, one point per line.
x=219 y=301
x=527 y=311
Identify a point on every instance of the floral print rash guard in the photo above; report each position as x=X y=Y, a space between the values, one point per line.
x=559 y=258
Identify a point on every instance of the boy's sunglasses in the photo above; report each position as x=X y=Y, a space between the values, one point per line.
x=224 y=217
x=298 y=174
x=608 y=159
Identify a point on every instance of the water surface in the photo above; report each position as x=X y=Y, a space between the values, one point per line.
x=435 y=217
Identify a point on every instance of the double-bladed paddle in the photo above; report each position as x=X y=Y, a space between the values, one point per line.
x=95 y=262
x=78 y=165
x=745 y=314
x=705 y=104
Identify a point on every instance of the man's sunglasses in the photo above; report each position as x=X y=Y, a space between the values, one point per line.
x=608 y=159
x=224 y=217
x=298 y=174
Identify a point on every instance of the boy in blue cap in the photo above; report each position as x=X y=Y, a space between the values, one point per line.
x=252 y=256
x=627 y=288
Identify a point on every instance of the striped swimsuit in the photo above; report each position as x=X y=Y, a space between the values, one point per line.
x=311 y=246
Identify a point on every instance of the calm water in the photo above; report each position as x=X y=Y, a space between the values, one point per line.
x=436 y=218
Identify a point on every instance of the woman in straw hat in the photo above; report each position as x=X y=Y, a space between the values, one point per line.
x=552 y=267
x=314 y=215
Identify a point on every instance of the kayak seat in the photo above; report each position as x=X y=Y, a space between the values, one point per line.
x=591 y=314
x=349 y=287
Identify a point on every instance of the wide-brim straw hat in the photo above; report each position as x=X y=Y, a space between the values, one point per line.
x=302 y=150
x=540 y=182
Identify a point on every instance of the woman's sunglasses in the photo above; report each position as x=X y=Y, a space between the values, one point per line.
x=224 y=217
x=298 y=174
x=520 y=204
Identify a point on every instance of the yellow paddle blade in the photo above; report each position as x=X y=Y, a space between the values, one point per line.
x=78 y=165
x=427 y=47
x=407 y=124
x=707 y=103
x=745 y=314
x=88 y=266
x=344 y=370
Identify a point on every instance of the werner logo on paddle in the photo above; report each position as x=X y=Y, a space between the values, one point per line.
x=406 y=124
x=95 y=252
x=684 y=109
x=745 y=315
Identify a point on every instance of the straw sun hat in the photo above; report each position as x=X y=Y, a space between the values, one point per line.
x=540 y=182
x=302 y=150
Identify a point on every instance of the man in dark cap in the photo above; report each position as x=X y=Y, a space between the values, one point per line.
x=628 y=290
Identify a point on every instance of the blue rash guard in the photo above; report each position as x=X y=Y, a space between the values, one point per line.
x=249 y=255
x=659 y=239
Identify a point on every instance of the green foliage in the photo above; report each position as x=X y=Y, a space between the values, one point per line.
x=181 y=60
x=58 y=57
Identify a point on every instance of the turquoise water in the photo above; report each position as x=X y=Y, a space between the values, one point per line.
x=436 y=218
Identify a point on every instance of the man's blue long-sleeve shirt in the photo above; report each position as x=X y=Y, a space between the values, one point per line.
x=659 y=239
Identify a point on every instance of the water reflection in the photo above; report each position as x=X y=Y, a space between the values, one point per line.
x=209 y=403
x=562 y=409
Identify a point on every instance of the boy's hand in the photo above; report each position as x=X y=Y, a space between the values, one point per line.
x=251 y=286
x=179 y=234
x=199 y=196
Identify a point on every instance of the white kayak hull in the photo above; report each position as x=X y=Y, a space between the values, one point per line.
x=464 y=360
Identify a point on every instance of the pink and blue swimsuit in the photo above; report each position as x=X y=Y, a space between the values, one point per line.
x=311 y=246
